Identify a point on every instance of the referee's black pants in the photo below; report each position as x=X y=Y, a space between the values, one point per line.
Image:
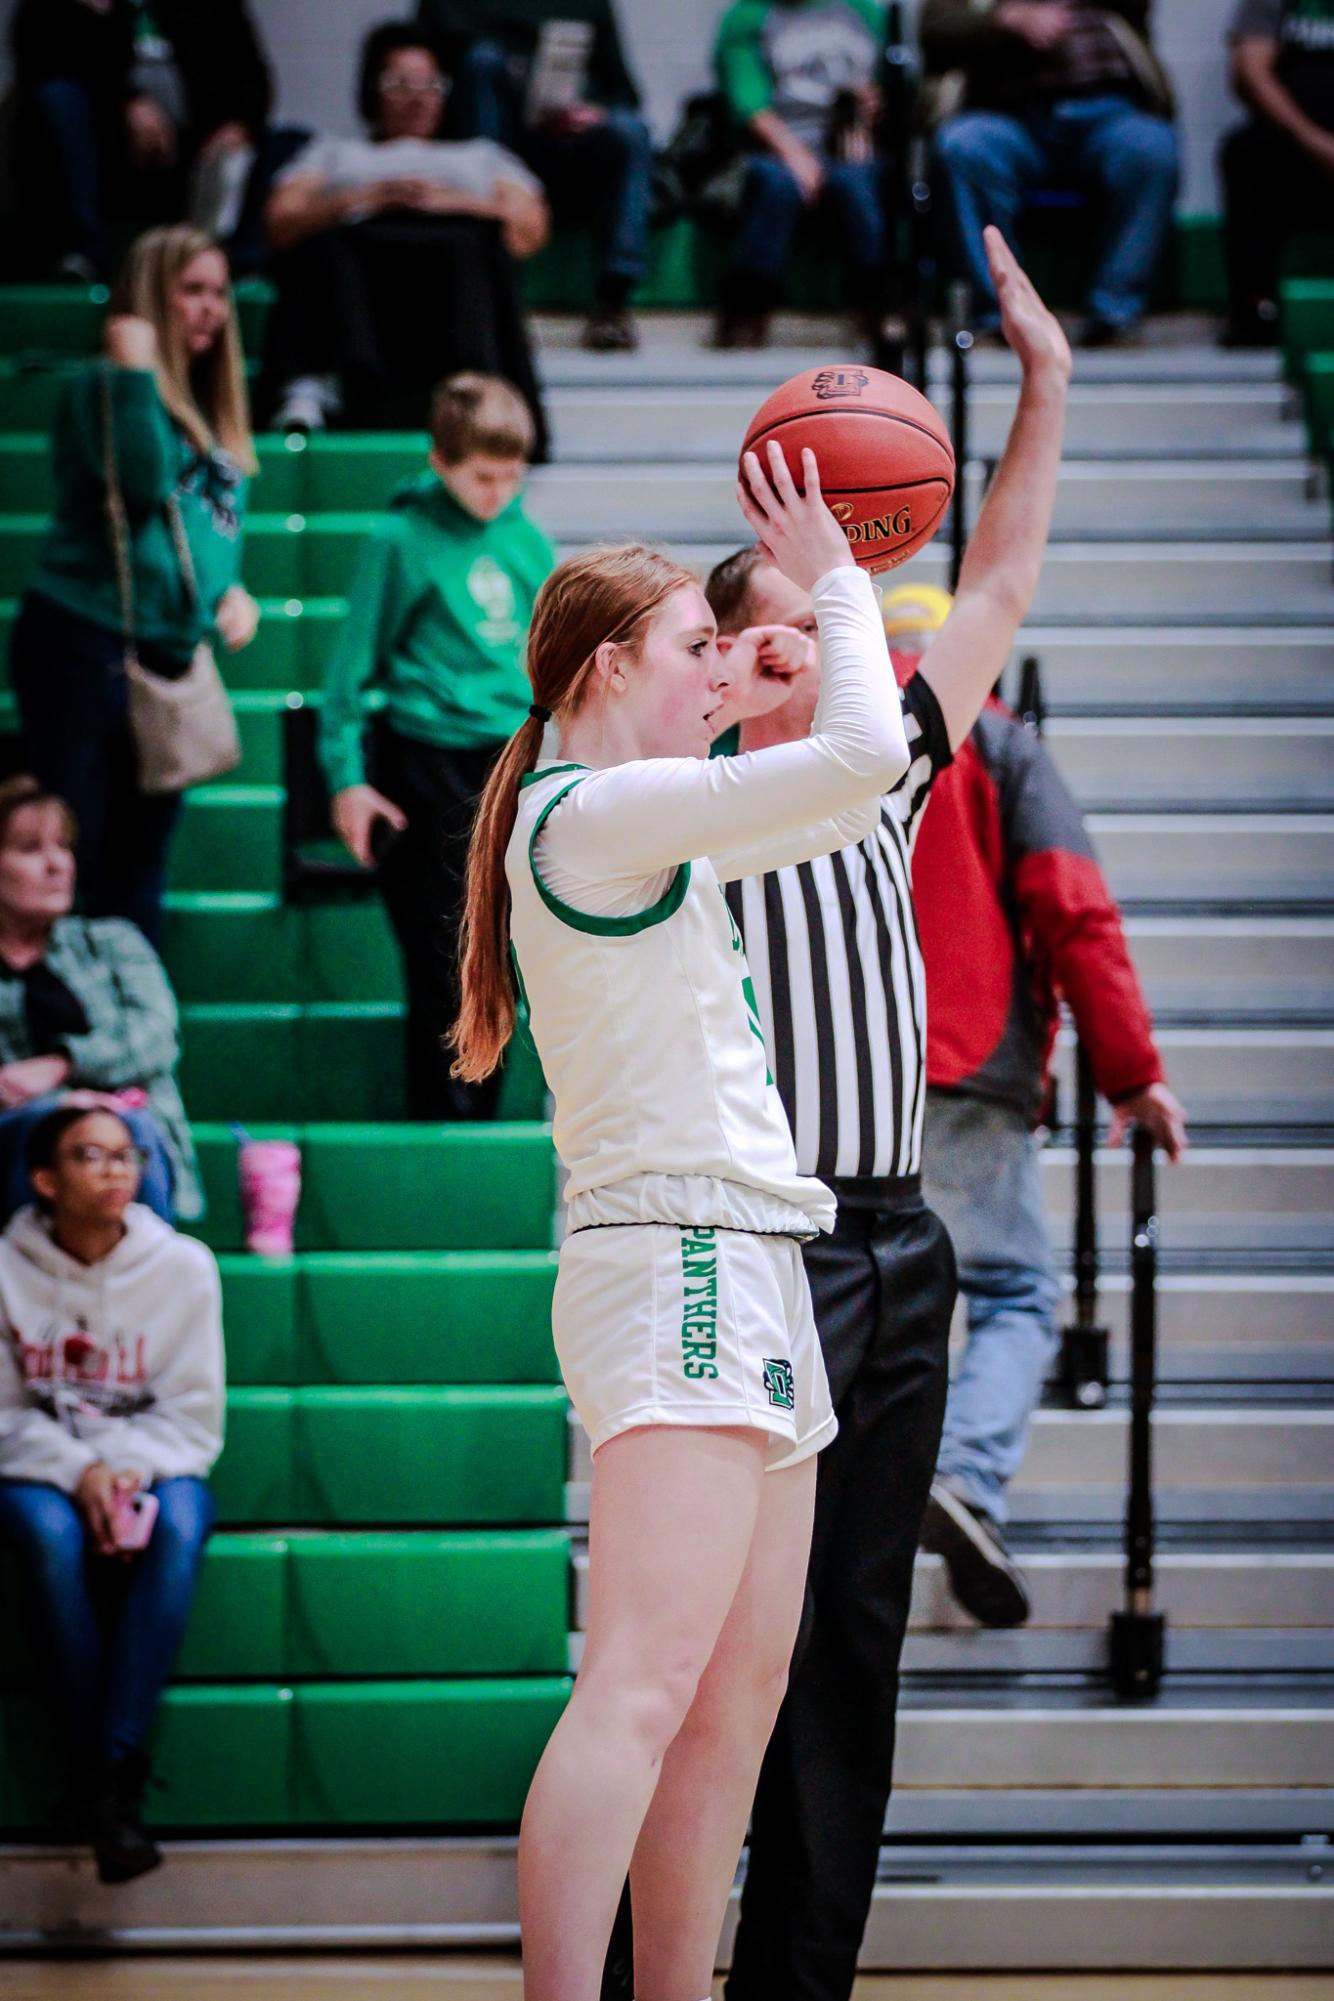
x=883 y=1286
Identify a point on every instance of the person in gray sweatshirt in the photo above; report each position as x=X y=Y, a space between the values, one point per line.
x=111 y=1413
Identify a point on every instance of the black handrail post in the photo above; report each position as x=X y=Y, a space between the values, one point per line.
x=961 y=343
x=1085 y=1343
x=891 y=345
x=1138 y=1632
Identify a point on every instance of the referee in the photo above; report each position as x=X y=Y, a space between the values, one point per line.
x=833 y=951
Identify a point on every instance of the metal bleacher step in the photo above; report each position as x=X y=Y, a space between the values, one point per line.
x=1231 y=1464
x=1182 y=498
x=1192 y=761
x=1276 y=859
x=1237 y=1076
x=1220 y=1203
x=985 y=1905
x=1117 y=668
x=1279 y=968
x=703 y=418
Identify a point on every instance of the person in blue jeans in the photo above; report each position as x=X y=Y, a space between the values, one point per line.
x=800 y=78
x=111 y=1390
x=1056 y=93
x=593 y=155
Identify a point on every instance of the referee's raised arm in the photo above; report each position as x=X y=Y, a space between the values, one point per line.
x=1004 y=558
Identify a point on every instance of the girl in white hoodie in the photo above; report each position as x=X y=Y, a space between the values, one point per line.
x=111 y=1386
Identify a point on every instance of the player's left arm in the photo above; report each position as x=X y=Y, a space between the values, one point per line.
x=1005 y=551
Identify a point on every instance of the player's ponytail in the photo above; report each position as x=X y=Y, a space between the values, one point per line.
x=604 y=594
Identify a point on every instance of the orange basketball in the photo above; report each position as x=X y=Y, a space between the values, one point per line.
x=885 y=458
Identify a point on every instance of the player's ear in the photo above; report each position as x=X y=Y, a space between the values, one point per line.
x=607 y=665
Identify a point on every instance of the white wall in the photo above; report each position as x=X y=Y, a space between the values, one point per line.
x=313 y=44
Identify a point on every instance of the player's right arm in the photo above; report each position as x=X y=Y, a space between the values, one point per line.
x=785 y=803
x=1004 y=560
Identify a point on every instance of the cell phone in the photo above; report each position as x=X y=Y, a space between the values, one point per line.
x=385 y=837
x=134 y=1516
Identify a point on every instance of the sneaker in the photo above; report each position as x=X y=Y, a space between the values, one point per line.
x=1098 y=332
x=982 y=1575
x=306 y=404
x=122 y=1848
x=610 y=330
x=735 y=329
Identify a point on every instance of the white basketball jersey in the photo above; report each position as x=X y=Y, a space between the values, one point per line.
x=651 y=1042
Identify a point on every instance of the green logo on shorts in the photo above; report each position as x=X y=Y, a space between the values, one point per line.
x=778 y=1381
x=699 y=1320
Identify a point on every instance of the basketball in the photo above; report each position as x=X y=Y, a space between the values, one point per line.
x=885 y=458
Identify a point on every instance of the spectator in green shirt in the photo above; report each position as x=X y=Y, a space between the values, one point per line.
x=438 y=616
x=800 y=79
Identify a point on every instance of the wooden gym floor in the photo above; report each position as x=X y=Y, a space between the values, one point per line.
x=497 y=1979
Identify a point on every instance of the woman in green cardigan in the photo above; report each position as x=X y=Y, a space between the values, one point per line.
x=85 y=1009
x=170 y=387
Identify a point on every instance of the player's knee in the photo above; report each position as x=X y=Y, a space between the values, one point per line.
x=650 y=1705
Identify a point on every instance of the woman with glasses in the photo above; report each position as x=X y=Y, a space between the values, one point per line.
x=394 y=253
x=85 y=1010
x=111 y=1401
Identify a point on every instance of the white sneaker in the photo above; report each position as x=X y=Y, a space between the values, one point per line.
x=307 y=403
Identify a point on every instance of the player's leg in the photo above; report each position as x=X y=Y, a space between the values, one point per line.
x=672 y=1519
x=691 y=1838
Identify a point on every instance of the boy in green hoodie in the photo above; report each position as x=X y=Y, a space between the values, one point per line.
x=438 y=616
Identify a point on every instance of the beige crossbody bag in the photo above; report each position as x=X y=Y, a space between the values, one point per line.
x=183 y=729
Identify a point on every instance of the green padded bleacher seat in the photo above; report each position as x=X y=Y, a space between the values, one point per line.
x=229 y=839
x=366 y=1456
x=20 y=539
x=251 y=947
x=439 y=1317
x=302 y=555
x=1318 y=398
x=224 y=1755
x=277 y=1062
x=30 y=393
x=425 y=1604
x=432 y=1456
x=261 y=1309
x=1306 y=312
x=66 y=320
x=255 y=1479
x=288 y=653
x=420 y=1752
x=427 y=1188
x=398 y=1188
x=238 y=1622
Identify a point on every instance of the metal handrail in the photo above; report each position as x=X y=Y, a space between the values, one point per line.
x=1137 y=1636
x=1085 y=1360
x=961 y=345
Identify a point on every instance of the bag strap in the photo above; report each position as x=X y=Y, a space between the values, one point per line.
x=119 y=523
x=117 y=519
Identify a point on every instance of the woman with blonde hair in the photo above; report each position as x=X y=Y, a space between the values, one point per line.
x=682 y=1316
x=152 y=453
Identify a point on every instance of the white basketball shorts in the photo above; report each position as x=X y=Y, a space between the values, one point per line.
x=655 y=1324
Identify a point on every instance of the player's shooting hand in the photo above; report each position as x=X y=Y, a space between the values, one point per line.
x=1035 y=333
x=796 y=530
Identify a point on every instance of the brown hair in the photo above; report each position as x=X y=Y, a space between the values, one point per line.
x=480 y=413
x=209 y=400
x=16 y=793
x=604 y=596
x=729 y=585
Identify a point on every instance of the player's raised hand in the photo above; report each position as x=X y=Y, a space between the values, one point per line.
x=796 y=530
x=1035 y=334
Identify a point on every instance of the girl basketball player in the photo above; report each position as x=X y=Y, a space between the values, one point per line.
x=682 y=1317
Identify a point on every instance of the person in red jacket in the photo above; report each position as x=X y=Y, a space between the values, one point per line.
x=1015 y=917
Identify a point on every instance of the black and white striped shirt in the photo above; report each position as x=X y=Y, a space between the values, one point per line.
x=833 y=951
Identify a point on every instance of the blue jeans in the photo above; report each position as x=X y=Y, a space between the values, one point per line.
x=109 y=1628
x=603 y=176
x=771 y=206
x=156 y=1191
x=990 y=162
x=981 y=1174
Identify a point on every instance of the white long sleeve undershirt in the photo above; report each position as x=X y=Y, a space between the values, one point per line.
x=611 y=845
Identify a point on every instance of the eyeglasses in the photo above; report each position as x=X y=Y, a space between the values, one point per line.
x=124 y=1159
x=411 y=86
